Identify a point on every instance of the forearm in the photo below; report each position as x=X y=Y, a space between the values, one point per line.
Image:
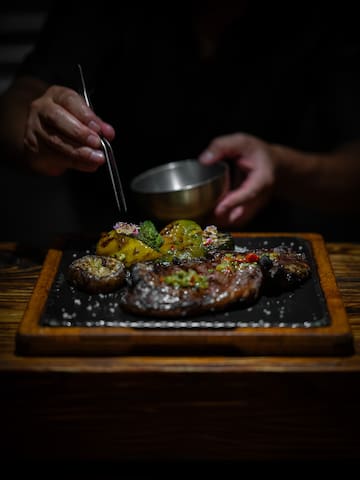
x=14 y=106
x=330 y=182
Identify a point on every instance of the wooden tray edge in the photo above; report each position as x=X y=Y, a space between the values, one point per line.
x=33 y=339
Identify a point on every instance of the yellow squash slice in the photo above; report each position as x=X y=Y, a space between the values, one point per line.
x=127 y=249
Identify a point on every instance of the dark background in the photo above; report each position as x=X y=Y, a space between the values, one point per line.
x=20 y=21
x=29 y=203
x=23 y=194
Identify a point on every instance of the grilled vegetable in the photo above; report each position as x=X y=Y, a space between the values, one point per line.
x=149 y=235
x=109 y=244
x=182 y=239
x=213 y=240
x=126 y=248
x=96 y=274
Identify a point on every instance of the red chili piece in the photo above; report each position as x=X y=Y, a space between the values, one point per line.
x=252 y=257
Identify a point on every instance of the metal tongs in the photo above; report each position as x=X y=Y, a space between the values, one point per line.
x=109 y=155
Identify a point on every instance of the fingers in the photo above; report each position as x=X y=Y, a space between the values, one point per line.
x=40 y=139
x=252 y=178
x=61 y=122
x=63 y=111
x=239 y=212
x=70 y=101
x=227 y=146
x=234 y=207
x=52 y=163
x=66 y=156
x=234 y=218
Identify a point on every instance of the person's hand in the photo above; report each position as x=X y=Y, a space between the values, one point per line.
x=252 y=177
x=63 y=133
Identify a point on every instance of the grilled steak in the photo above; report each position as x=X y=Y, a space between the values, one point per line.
x=283 y=268
x=191 y=287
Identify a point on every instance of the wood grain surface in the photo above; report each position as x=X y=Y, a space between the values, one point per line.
x=123 y=408
x=330 y=334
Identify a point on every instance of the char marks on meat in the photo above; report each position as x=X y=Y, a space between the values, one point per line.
x=283 y=268
x=191 y=287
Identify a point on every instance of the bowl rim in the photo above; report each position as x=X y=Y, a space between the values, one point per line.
x=221 y=165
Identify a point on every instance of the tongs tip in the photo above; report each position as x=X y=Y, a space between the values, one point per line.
x=109 y=154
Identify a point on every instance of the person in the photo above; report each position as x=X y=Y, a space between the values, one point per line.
x=269 y=88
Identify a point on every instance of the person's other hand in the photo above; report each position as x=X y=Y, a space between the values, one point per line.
x=62 y=133
x=251 y=181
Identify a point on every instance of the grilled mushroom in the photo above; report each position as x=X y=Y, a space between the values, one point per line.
x=96 y=273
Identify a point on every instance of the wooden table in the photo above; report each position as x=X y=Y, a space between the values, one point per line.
x=173 y=408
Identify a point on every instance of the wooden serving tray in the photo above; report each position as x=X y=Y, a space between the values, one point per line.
x=309 y=320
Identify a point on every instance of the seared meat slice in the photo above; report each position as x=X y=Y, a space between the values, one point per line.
x=191 y=287
x=283 y=268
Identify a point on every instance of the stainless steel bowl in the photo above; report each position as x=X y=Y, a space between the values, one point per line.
x=182 y=189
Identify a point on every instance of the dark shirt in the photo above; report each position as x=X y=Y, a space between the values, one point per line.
x=289 y=76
